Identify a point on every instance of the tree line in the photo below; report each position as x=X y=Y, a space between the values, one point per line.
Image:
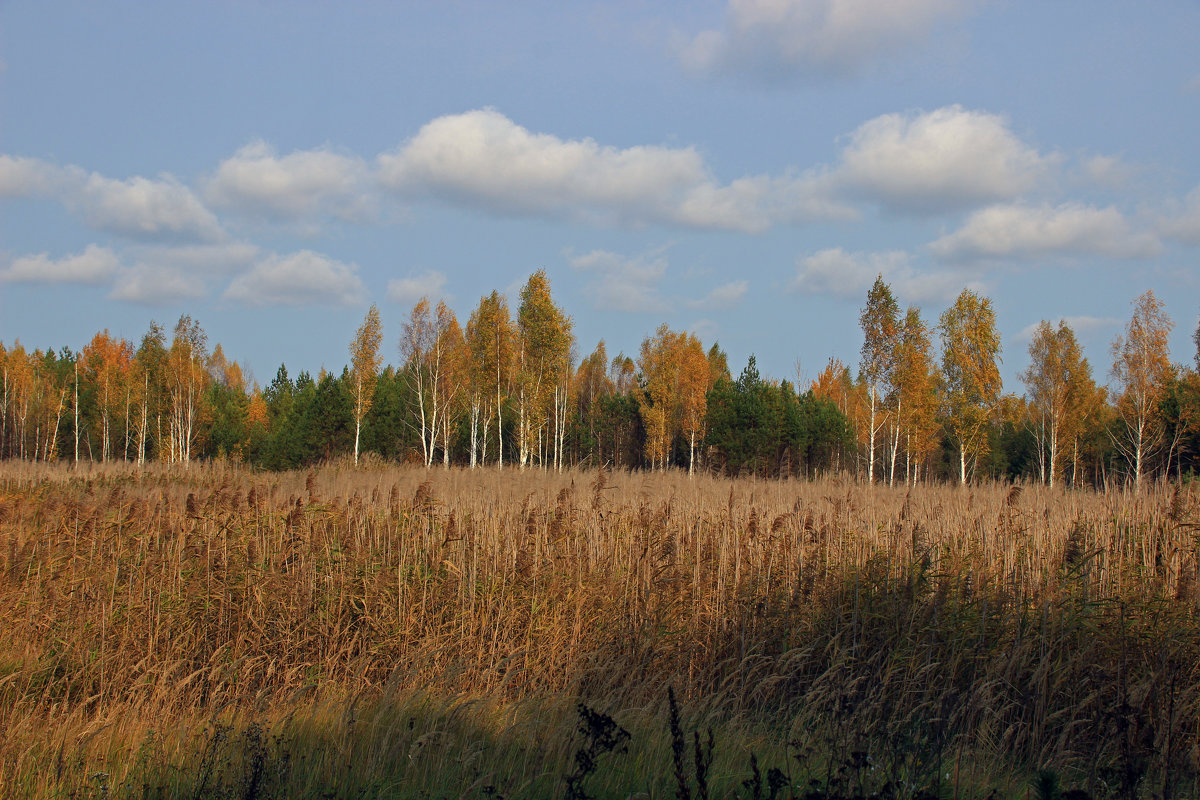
x=509 y=390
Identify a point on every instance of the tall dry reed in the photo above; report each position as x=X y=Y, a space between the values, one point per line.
x=943 y=628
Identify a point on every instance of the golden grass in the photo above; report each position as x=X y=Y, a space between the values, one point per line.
x=971 y=633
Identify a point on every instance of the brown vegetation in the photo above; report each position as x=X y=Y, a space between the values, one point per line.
x=951 y=637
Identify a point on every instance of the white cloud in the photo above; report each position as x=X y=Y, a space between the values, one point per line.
x=850 y=275
x=301 y=185
x=26 y=177
x=1082 y=324
x=938 y=161
x=142 y=208
x=156 y=286
x=1023 y=231
x=625 y=284
x=484 y=159
x=301 y=278
x=722 y=297
x=777 y=39
x=95 y=265
x=410 y=290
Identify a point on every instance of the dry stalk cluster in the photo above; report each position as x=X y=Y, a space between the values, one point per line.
x=942 y=631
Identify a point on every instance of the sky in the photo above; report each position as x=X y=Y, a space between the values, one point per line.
x=742 y=170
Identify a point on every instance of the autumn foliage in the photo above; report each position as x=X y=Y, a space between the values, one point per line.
x=511 y=388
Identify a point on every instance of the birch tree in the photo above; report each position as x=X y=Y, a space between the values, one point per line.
x=970 y=369
x=658 y=399
x=694 y=385
x=1142 y=368
x=149 y=371
x=5 y=386
x=364 y=369
x=544 y=349
x=186 y=362
x=879 y=320
x=915 y=384
x=451 y=373
x=491 y=343
x=1058 y=381
x=107 y=364
x=20 y=382
x=591 y=384
x=421 y=366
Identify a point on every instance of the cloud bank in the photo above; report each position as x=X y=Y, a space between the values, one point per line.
x=484 y=159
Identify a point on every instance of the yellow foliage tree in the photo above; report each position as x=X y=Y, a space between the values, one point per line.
x=970 y=368
x=364 y=369
x=1059 y=382
x=1142 y=368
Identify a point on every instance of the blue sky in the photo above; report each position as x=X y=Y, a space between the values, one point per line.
x=741 y=169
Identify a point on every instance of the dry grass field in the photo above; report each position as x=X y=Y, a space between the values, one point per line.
x=396 y=632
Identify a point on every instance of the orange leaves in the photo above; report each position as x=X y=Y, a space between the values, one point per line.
x=675 y=375
x=108 y=365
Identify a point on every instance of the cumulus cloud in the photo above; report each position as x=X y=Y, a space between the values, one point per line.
x=301 y=185
x=95 y=265
x=778 y=39
x=725 y=296
x=297 y=279
x=1022 y=231
x=410 y=290
x=150 y=285
x=484 y=159
x=140 y=208
x=622 y=283
x=938 y=161
x=143 y=208
x=26 y=177
x=850 y=275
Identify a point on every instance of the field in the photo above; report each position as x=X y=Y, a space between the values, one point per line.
x=397 y=632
